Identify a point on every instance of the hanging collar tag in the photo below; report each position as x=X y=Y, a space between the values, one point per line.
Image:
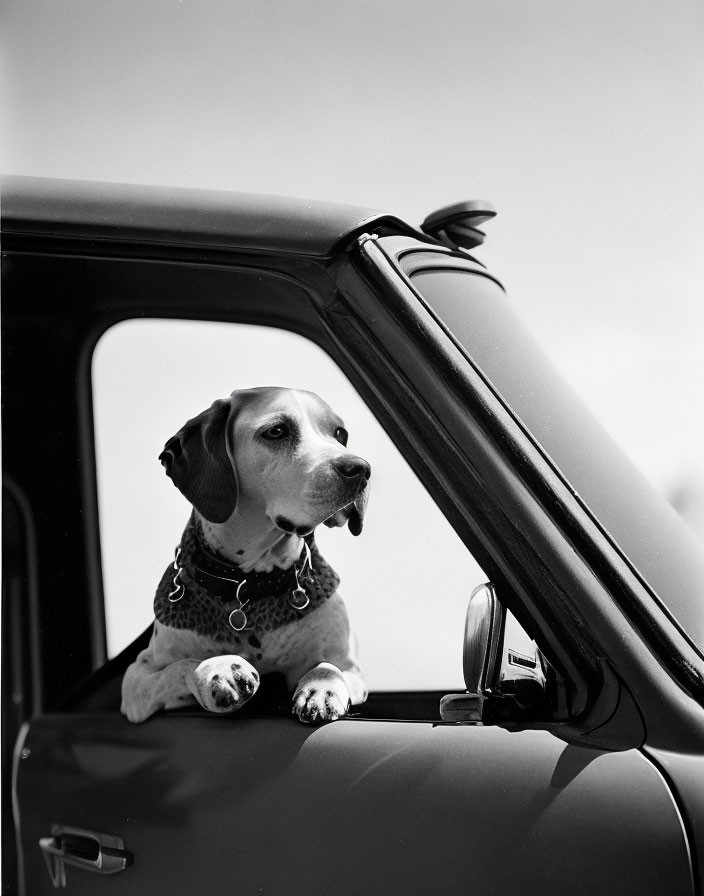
x=298 y=598
x=238 y=617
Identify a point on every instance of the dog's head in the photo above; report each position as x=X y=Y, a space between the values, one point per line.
x=282 y=451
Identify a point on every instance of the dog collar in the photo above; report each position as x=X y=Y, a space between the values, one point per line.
x=226 y=580
x=198 y=574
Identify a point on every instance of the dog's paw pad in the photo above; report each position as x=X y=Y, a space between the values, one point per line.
x=313 y=704
x=224 y=683
x=223 y=699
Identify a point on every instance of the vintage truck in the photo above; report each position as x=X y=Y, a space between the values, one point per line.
x=574 y=765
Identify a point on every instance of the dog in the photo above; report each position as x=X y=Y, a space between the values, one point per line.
x=248 y=592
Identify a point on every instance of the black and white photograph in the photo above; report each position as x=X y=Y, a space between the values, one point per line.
x=352 y=447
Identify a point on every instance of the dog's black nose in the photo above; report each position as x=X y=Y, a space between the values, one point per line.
x=352 y=467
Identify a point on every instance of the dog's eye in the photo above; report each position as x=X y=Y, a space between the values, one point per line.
x=341 y=435
x=280 y=431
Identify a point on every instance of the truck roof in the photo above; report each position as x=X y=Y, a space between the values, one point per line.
x=205 y=218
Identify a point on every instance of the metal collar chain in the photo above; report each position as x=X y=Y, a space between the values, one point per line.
x=178 y=589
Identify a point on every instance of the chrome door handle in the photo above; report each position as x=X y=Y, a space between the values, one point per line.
x=101 y=853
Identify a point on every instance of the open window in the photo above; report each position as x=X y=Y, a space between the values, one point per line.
x=406 y=581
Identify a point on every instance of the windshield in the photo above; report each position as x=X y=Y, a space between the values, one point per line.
x=639 y=521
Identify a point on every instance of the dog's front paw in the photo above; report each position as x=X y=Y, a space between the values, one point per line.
x=224 y=683
x=322 y=695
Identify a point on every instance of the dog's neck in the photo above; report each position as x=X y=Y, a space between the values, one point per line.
x=250 y=540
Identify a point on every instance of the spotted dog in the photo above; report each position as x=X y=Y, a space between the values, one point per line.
x=248 y=592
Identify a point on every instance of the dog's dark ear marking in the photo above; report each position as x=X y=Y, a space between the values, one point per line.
x=359 y=508
x=197 y=461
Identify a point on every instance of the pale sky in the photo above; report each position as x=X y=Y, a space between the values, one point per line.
x=582 y=122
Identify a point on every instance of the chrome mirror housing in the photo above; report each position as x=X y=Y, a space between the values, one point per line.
x=503 y=668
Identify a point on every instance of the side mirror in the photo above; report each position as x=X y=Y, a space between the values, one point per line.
x=503 y=668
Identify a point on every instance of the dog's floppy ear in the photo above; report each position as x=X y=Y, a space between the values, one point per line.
x=197 y=461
